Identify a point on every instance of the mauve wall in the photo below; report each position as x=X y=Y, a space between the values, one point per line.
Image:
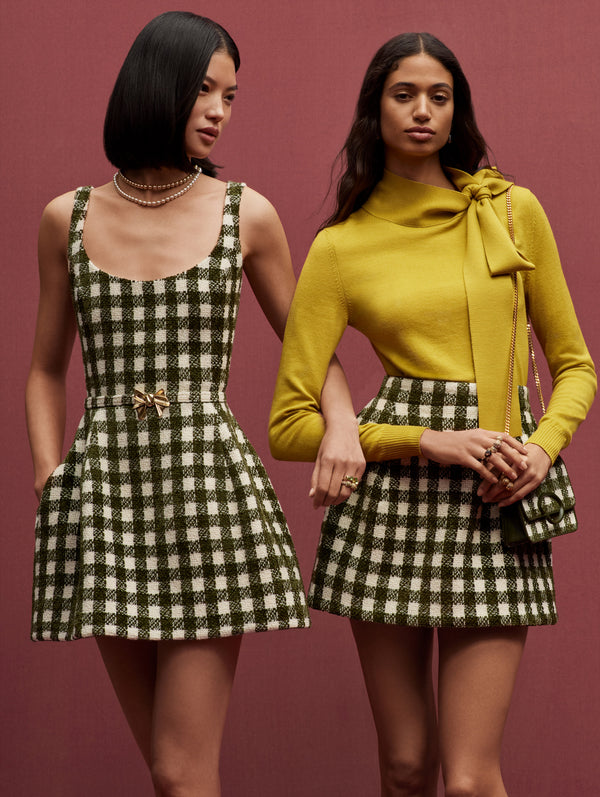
x=299 y=724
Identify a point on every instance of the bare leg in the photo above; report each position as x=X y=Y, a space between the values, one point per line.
x=193 y=685
x=175 y=696
x=396 y=664
x=131 y=666
x=478 y=668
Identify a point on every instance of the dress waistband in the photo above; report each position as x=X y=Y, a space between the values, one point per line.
x=127 y=399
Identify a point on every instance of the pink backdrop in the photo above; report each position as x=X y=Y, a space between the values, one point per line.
x=299 y=724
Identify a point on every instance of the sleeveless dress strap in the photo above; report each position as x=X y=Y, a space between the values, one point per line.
x=80 y=206
x=231 y=209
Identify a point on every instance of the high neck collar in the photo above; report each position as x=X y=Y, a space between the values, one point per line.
x=412 y=204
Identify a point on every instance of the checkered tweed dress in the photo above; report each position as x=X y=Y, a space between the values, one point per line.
x=414 y=545
x=163 y=527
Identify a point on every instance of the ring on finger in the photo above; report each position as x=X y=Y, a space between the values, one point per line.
x=350 y=481
x=486 y=454
x=492 y=449
x=506 y=483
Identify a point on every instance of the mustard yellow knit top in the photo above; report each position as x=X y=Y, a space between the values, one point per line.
x=424 y=273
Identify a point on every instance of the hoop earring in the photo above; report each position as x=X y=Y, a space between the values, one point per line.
x=449 y=138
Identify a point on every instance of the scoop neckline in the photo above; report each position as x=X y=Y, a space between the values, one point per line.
x=178 y=275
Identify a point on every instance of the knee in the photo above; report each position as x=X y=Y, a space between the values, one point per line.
x=167 y=780
x=172 y=779
x=405 y=777
x=472 y=785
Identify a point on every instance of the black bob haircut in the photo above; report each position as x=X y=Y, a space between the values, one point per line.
x=156 y=90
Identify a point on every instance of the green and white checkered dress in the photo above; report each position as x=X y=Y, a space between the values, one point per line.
x=414 y=545
x=162 y=527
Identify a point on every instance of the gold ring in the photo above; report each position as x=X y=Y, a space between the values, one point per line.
x=350 y=481
x=506 y=483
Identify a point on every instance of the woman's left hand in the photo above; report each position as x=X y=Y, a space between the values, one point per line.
x=340 y=455
x=538 y=464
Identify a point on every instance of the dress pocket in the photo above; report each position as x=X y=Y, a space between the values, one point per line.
x=53 y=479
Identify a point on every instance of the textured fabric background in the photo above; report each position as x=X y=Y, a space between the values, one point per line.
x=299 y=723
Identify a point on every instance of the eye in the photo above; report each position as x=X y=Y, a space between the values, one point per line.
x=440 y=99
x=402 y=96
x=204 y=88
x=230 y=98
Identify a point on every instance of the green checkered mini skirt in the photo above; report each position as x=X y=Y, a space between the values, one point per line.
x=414 y=545
x=161 y=523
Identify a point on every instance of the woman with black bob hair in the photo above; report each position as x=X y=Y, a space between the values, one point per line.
x=146 y=118
x=417 y=255
x=159 y=534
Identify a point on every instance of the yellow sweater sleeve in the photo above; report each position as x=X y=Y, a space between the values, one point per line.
x=318 y=317
x=553 y=318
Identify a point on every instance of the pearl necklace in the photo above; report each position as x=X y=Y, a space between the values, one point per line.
x=164 y=187
x=147 y=203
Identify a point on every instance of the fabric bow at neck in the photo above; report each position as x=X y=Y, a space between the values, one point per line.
x=501 y=255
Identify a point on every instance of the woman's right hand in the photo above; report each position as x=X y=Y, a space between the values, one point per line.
x=469 y=448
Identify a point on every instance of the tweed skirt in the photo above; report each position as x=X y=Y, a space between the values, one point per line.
x=414 y=545
x=166 y=528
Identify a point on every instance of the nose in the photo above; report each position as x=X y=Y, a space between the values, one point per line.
x=216 y=111
x=421 y=110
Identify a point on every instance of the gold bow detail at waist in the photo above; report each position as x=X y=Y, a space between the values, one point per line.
x=141 y=402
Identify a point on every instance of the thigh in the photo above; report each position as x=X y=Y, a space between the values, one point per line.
x=193 y=685
x=396 y=663
x=131 y=667
x=477 y=673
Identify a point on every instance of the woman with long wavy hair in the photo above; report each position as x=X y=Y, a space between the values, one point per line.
x=417 y=256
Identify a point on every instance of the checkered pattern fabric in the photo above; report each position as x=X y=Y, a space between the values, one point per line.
x=414 y=546
x=553 y=495
x=166 y=527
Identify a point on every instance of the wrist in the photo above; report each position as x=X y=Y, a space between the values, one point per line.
x=340 y=419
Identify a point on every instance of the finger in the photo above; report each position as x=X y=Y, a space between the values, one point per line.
x=504 y=447
x=501 y=467
x=321 y=488
x=485 y=473
x=522 y=489
x=513 y=443
x=348 y=479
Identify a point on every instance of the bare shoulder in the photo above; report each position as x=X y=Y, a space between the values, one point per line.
x=54 y=224
x=256 y=210
x=57 y=213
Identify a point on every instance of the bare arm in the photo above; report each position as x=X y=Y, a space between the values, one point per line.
x=268 y=266
x=55 y=332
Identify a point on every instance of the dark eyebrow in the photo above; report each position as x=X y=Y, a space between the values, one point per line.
x=406 y=84
x=214 y=83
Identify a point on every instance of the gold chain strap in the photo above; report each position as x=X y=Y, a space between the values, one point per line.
x=513 y=336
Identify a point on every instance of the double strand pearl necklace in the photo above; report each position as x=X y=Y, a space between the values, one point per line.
x=189 y=181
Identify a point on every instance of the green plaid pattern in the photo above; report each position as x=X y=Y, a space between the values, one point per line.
x=167 y=527
x=414 y=546
x=544 y=499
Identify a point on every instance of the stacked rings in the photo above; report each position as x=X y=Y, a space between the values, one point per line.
x=350 y=481
x=492 y=449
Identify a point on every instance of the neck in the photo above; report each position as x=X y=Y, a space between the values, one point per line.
x=427 y=170
x=158 y=176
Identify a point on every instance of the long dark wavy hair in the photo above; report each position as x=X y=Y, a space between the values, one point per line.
x=156 y=90
x=363 y=156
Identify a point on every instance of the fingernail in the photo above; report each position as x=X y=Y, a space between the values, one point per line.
x=311 y=492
